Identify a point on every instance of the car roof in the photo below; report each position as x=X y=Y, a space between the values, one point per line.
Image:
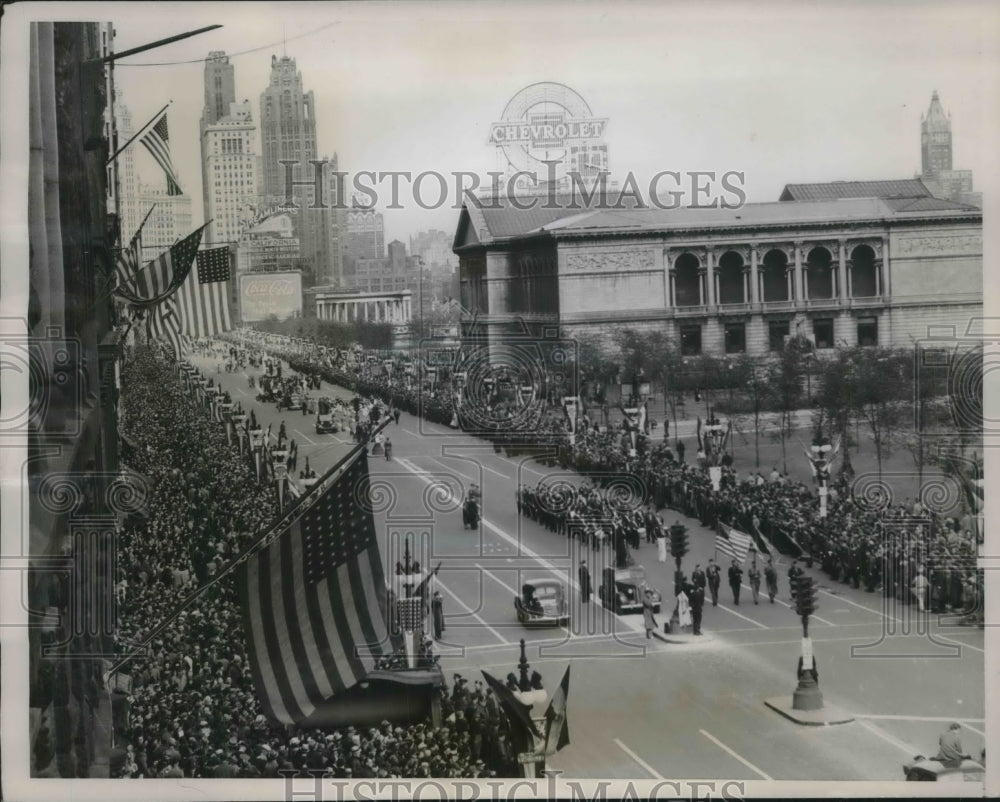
x=542 y=581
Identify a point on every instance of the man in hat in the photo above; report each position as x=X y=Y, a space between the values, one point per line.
x=714 y=581
x=735 y=580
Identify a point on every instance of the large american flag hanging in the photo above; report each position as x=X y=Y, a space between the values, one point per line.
x=203 y=299
x=157 y=142
x=161 y=277
x=314 y=600
x=164 y=326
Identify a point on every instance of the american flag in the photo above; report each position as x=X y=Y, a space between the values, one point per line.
x=556 y=723
x=157 y=142
x=164 y=325
x=314 y=599
x=733 y=543
x=161 y=277
x=204 y=298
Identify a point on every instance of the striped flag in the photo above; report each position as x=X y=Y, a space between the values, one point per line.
x=164 y=325
x=204 y=297
x=161 y=277
x=313 y=600
x=157 y=142
x=733 y=543
x=556 y=723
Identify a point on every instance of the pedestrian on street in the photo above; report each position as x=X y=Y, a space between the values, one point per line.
x=395 y=416
x=950 y=751
x=919 y=587
x=754 y=577
x=648 y=618
x=714 y=580
x=585 y=589
x=697 y=602
x=388 y=449
x=771 y=578
x=698 y=579
x=735 y=580
x=437 y=614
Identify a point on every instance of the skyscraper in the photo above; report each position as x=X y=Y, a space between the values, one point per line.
x=288 y=134
x=936 y=158
x=128 y=180
x=230 y=172
x=220 y=87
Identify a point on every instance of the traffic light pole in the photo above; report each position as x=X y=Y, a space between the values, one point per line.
x=807 y=695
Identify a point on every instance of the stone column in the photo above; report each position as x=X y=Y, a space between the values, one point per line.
x=754 y=275
x=709 y=297
x=673 y=288
x=798 y=293
x=842 y=284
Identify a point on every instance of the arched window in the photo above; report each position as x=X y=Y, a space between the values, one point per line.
x=687 y=281
x=773 y=276
x=731 y=283
x=863 y=282
x=819 y=274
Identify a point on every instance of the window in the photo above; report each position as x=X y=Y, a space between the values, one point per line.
x=867 y=332
x=691 y=340
x=823 y=332
x=736 y=338
x=777 y=331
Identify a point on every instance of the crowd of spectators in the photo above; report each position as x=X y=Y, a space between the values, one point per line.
x=861 y=542
x=186 y=707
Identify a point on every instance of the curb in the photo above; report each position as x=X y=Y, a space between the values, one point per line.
x=826 y=716
x=683 y=639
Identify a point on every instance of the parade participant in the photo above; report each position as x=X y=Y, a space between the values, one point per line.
x=395 y=416
x=648 y=618
x=437 y=614
x=714 y=581
x=735 y=580
x=388 y=449
x=754 y=577
x=919 y=588
x=698 y=579
x=585 y=588
x=697 y=605
x=771 y=578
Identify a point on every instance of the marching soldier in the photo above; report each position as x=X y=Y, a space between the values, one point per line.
x=754 y=577
x=771 y=578
x=697 y=600
x=714 y=580
x=698 y=579
x=735 y=580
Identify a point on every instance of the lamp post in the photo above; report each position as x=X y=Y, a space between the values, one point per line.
x=820 y=456
x=531 y=693
x=714 y=434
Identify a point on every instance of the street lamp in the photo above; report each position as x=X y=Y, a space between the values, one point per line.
x=714 y=435
x=821 y=455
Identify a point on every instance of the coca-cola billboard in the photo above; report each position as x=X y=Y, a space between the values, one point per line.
x=266 y=294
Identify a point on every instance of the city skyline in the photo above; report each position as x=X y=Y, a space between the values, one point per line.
x=678 y=105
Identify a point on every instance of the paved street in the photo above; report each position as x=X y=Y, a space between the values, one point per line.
x=644 y=708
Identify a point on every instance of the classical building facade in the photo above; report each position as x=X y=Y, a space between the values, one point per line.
x=854 y=271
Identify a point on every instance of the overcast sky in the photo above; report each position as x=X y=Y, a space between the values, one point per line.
x=786 y=92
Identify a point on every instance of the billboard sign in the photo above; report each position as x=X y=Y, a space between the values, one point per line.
x=266 y=294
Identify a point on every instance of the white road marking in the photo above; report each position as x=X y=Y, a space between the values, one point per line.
x=497 y=579
x=241 y=390
x=740 y=615
x=421 y=474
x=786 y=604
x=639 y=760
x=962 y=721
x=310 y=442
x=886 y=737
x=739 y=757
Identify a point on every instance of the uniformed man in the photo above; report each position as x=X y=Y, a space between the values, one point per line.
x=585 y=587
x=698 y=578
x=714 y=580
x=754 y=577
x=771 y=578
x=437 y=614
x=735 y=580
x=697 y=601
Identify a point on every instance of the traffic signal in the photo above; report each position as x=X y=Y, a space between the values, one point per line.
x=805 y=595
x=678 y=541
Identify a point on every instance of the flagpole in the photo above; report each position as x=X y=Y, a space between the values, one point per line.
x=150 y=46
x=279 y=526
x=155 y=119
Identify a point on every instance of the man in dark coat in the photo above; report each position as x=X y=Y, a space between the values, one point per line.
x=714 y=580
x=697 y=598
x=437 y=614
x=698 y=578
x=735 y=580
x=585 y=588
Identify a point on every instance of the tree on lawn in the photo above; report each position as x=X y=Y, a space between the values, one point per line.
x=785 y=380
x=837 y=401
x=880 y=388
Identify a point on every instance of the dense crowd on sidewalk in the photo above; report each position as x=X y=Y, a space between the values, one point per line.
x=191 y=709
x=873 y=546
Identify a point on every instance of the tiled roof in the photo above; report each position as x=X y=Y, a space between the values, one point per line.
x=928 y=205
x=905 y=188
x=506 y=220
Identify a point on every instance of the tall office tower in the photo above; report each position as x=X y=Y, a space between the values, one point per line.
x=128 y=180
x=230 y=172
x=220 y=87
x=169 y=221
x=935 y=158
x=288 y=134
